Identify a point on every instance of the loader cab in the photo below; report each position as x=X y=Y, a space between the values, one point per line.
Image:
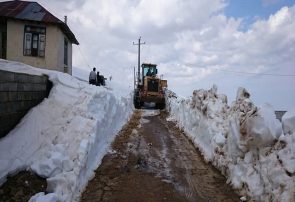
x=149 y=87
x=149 y=70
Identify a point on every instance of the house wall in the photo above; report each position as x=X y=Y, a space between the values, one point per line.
x=60 y=60
x=54 y=48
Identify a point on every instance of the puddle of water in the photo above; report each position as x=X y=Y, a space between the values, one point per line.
x=150 y=112
x=144 y=121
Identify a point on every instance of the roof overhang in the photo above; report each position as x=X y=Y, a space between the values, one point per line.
x=33 y=12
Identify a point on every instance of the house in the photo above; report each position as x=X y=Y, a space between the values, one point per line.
x=32 y=35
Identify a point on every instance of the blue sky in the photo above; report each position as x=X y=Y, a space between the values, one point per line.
x=251 y=10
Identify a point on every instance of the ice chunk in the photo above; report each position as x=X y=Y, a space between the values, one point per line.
x=287 y=154
x=242 y=94
x=219 y=139
x=263 y=129
x=288 y=121
x=41 y=197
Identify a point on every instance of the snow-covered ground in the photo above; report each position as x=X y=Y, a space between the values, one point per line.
x=246 y=143
x=64 y=137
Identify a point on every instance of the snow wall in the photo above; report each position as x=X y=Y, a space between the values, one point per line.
x=246 y=143
x=65 y=137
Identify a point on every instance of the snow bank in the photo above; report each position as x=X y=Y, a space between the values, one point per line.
x=246 y=143
x=289 y=122
x=65 y=137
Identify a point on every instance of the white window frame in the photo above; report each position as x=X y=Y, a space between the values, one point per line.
x=29 y=32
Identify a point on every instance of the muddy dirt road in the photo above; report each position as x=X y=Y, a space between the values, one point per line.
x=153 y=161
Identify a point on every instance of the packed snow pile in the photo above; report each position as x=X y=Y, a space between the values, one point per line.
x=65 y=137
x=246 y=143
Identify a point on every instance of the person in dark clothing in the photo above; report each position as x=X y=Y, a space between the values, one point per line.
x=102 y=81
x=98 y=82
x=149 y=73
x=92 y=77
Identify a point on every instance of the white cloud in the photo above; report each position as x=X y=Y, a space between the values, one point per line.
x=280 y=19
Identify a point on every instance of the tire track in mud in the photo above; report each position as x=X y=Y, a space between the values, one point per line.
x=201 y=180
x=152 y=160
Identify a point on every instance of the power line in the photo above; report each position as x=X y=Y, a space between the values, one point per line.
x=252 y=73
x=84 y=58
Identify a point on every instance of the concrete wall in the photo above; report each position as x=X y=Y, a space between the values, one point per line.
x=54 y=47
x=18 y=94
x=280 y=114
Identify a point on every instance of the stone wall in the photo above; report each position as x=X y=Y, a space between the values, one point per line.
x=18 y=94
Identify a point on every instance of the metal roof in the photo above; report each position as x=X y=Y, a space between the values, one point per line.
x=33 y=11
x=148 y=64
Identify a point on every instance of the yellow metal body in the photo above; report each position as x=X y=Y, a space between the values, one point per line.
x=153 y=96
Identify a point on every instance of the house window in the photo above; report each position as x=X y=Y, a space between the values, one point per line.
x=65 y=55
x=34 y=41
x=66 y=52
x=3 y=44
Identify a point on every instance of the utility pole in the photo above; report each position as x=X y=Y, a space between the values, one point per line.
x=134 y=79
x=139 y=43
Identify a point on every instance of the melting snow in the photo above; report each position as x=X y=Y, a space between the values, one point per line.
x=247 y=143
x=65 y=137
x=149 y=112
